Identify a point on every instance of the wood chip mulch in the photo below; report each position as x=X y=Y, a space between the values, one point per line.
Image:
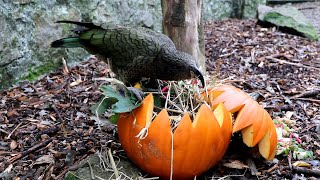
x=47 y=128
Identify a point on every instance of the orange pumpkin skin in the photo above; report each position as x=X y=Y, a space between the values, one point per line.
x=254 y=122
x=197 y=145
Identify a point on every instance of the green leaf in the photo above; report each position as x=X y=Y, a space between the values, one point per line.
x=159 y=101
x=114 y=118
x=126 y=101
x=70 y=176
x=104 y=104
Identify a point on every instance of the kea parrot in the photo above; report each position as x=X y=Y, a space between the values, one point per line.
x=133 y=52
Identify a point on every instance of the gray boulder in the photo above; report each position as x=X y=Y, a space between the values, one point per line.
x=289 y=19
x=28 y=27
x=223 y=9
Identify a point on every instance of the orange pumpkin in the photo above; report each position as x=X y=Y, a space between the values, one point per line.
x=254 y=122
x=190 y=150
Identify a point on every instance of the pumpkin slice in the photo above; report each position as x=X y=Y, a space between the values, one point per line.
x=143 y=114
x=224 y=119
x=247 y=116
x=254 y=122
x=155 y=151
x=268 y=144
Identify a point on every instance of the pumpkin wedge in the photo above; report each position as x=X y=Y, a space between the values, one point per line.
x=252 y=120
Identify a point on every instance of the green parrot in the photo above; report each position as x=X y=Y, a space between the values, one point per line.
x=133 y=52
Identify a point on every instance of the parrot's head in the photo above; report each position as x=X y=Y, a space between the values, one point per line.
x=190 y=65
x=178 y=65
x=195 y=72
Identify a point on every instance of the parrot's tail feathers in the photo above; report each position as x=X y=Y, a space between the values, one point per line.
x=70 y=42
x=84 y=24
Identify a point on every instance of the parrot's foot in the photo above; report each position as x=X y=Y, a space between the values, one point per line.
x=137 y=92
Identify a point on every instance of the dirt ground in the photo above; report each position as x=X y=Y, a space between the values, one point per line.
x=277 y=66
x=47 y=127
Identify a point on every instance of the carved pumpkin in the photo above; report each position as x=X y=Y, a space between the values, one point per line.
x=190 y=150
x=254 y=122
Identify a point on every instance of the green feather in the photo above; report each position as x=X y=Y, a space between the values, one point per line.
x=71 y=42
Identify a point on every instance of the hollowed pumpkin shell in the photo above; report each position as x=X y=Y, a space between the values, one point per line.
x=254 y=122
x=197 y=145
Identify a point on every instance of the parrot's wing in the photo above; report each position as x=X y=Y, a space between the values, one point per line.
x=122 y=44
x=165 y=40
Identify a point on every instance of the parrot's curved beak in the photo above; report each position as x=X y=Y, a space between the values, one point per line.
x=199 y=75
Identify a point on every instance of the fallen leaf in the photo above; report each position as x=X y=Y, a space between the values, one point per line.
x=236 y=164
x=77 y=82
x=12 y=113
x=301 y=164
x=43 y=112
x=28 y=90
x=46 y=159
x=13 y=144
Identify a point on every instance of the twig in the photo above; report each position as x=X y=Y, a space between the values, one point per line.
x=191 y=104
x=171 y=110
x=168 y=97
x=312 y=93
x=73 y=167
x=228 y=54
x=97 y=113
x=34 y=148
x=291 y=63
x=171 y=162
x=1 y=130
x=308 y=99
x=272 y=168
x=253 y=59
x=98 y=177
x=113 y=164
x=179 y=97
x=91 y=171
x=173 y=104
x=48 y=171
x=65 y=67
x=58 y=113
x=103 y=161
x=241 y=175
x=8 y=137
x=313 y=172
x=286 y=99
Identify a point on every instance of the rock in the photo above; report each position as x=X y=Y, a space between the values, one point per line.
x=93 y=165
x=28 y=28
x=222 y=9
x=288 y=19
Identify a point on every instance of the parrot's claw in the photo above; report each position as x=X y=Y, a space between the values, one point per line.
x=137 y=92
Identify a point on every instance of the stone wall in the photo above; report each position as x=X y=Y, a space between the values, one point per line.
x=28 y=28
x=221 y=9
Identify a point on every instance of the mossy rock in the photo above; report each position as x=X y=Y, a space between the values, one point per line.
x=289 y=19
